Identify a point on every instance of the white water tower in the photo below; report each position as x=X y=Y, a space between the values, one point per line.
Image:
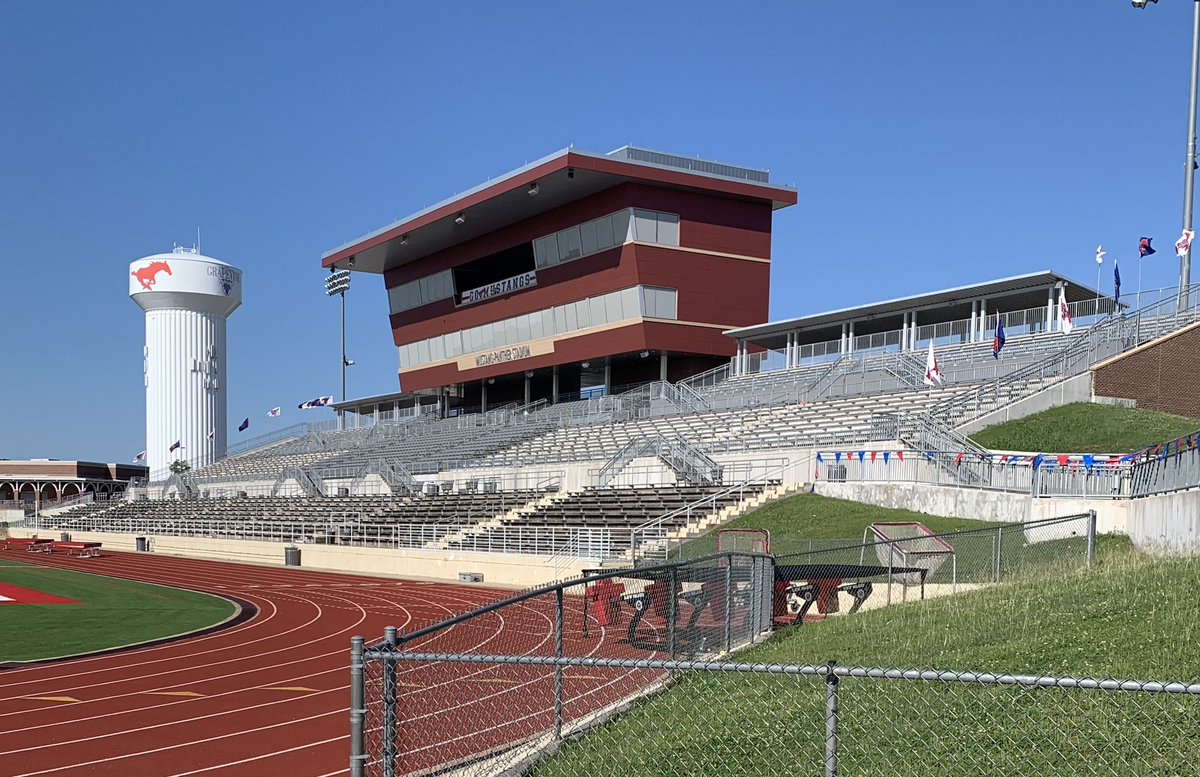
x=187 y=298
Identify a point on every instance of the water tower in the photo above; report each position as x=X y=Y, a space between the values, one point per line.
x=187 y=298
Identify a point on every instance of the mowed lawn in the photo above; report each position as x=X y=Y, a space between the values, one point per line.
x=1082 y=427
x=111 y=613
x=1132 y=617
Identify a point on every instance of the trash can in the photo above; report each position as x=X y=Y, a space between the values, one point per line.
x=291 y=556
x=140 y=544
x=65 y=537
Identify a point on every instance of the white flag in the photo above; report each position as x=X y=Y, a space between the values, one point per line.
x=1064 y=313
x=318 y=402
x=1184 y=243
x=140 y=457
x=273 y=412
x=1100 y=254
x=933 y=373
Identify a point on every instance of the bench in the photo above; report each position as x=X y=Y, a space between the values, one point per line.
x=30 y=544
x=81 y=549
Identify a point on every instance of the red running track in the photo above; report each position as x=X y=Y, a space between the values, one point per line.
x=268 y=696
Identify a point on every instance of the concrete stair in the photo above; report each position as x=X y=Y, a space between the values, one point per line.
x=496 y=521
x=733 y=511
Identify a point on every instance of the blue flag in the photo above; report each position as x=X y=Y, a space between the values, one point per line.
x=244 y=425
x=998 y=341
x=1116 y=284
x=1144 y=248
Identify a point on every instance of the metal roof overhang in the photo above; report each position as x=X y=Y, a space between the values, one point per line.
x=1003 y=295
x=561 y=178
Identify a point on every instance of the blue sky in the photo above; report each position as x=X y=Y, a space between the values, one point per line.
x=932 y=144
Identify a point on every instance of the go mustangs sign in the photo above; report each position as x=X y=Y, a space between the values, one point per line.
x=499 y=288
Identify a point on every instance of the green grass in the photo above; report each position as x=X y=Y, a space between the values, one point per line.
x=112 y=613
x=794 y=521
x=1086 y=428
x=1132 y=617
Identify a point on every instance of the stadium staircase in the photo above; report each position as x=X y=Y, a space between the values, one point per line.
x=515 y=515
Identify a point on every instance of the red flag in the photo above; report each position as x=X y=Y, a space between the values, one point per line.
x=873 y=456
x=1062 y=460
x=958 y=459
x=900 y=455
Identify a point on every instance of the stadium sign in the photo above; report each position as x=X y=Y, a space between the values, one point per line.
x=503 y=355
x=499 y=288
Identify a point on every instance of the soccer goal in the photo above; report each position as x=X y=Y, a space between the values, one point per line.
x=745 y=540
x=910 y=544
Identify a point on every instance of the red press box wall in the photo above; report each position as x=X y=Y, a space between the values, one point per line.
x=712 y=289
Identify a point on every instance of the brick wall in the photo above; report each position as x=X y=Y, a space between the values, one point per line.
x=1163 y=375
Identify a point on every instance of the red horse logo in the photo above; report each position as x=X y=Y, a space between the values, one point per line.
x=146 y=275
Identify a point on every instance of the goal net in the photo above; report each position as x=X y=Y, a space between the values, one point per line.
x=909 y=544
x=745 y=540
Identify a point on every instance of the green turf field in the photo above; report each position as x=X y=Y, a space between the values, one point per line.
x=1082 y=427
x=1132 y=617
x=112 y=613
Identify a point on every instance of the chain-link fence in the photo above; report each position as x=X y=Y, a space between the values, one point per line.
x=421 y=714
x=723 y=718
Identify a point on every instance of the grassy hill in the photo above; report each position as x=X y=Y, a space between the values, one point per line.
x=1083 y=427
x=797 y=519
x=1131 y=617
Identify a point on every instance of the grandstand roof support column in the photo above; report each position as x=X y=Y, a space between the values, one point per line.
x=528 y=374
x=483 y=396
x=982 y=334
x=607 y=379
x=973 y=332
x=554 y=385
x=912 y=331
x=662 y=366
x=842 y=341
x=1050 y=309
x=850 y=339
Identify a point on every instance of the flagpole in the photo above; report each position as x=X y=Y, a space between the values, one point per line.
x=1139 y=297
x=1189 y=169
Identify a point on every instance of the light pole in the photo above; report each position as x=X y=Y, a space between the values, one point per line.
x=1189 y=164
x=337 y=284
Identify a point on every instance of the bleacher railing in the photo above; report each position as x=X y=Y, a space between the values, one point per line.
x=1081 y=351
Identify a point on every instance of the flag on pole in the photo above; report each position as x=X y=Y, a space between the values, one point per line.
x=244 y=425
x=933 y=373
x=999 y=340
x=1064 y=313
x=1100 y=254
x=1144 y=247
x=1184 y=243
x=318 y=402
x=1116 y=284
x=140 y=457
x=273 y=412
x=212 y=435
x=178 y=444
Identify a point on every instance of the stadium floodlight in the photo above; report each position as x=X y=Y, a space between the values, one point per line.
x=404 y=240
x=336 y=285
x=1189 y=162
x=460 y=218
x=534 y=188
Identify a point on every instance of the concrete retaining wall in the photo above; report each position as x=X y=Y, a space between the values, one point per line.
x=1112 y=515
x=1167 y=524
x=498 y=569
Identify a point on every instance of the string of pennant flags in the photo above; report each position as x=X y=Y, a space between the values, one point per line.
x=274 y=412
x=1088 y=461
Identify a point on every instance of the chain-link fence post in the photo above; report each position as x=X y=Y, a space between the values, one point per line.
x=558 y=668
x=389 y=703
x=1091 y=538
x=672 y=611
x=728 y=604
x=831 y=721
x=357 y=707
